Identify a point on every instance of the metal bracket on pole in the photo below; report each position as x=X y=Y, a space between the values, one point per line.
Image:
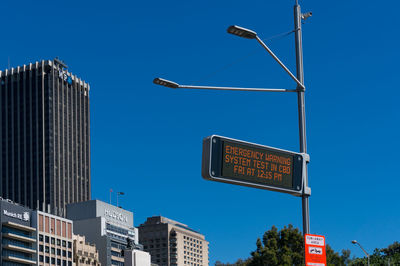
x=306 y=157
x=299 y=83
x=300 y=89
x=307 y=191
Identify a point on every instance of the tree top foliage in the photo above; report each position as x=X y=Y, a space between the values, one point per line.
x=286 y=248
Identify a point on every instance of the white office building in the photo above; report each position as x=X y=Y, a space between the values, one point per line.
x=108 y=227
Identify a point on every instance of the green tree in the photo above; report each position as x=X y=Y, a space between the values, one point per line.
x=383 y=256
x=285 y=247
x=392 y=253
x=335 y=259
x=346 y=256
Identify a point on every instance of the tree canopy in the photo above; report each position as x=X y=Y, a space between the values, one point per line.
x=286 y=248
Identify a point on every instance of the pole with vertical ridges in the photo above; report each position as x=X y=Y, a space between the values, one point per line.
x=301 y=111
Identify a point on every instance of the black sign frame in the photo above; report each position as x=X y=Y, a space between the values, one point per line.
x=213 y=157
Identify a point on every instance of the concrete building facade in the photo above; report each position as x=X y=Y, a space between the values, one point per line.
x=44 y=136
x=18 y=235
x=171 y=243
x=134 y=257
x=108 y=227
x=84 y=253
x=54 y=239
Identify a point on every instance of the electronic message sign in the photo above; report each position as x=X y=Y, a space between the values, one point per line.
x=248 y=164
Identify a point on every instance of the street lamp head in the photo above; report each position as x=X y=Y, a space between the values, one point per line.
x=166 y=83
x=121 y=193
x=242 y=32
x=354 y=241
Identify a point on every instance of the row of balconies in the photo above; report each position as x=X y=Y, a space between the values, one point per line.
x=86 y=254
x=13 y=252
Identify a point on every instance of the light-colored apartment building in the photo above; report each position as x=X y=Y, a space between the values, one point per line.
x=172 y=243
x=84 y=253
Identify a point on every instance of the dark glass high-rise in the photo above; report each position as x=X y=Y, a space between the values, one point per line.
x=45 y=136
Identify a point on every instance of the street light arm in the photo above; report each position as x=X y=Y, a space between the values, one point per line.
x=280 y=63
x=366 y=253
x=174 y=85
x=233 y=88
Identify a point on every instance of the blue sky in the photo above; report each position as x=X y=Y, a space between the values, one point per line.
x=146 y=140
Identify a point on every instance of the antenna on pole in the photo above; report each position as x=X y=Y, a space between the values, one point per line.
x=60 y=62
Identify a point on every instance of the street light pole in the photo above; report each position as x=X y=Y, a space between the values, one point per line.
x=300 y=89
x=301 y=111
x=366 y=253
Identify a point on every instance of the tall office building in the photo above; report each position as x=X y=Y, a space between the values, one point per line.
x=109 y=227
x=45 y=136
x=171 y=243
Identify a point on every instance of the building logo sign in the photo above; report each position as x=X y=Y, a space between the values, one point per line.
x=115 y=215
x=20 y=216
x=65 y=77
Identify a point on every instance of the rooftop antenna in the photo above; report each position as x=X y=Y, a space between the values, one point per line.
x=8 y=62
x=60 y=62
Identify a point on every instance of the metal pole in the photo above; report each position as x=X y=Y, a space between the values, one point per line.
x=301 y=111
x=233 y=88
x=366 y=253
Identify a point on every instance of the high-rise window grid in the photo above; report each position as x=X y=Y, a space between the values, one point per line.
x=45 y=136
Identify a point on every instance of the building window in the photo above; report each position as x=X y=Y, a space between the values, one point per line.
x=47 y=239
x=53 y=240
x=41 y=238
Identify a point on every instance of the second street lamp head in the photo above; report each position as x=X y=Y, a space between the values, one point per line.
x=242 y=32
x=354 y=241
x=166 y=83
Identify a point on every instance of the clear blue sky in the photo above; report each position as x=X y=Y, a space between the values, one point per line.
x=146 y=140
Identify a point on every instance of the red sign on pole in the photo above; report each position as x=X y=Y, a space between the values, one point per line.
x=315 y=250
